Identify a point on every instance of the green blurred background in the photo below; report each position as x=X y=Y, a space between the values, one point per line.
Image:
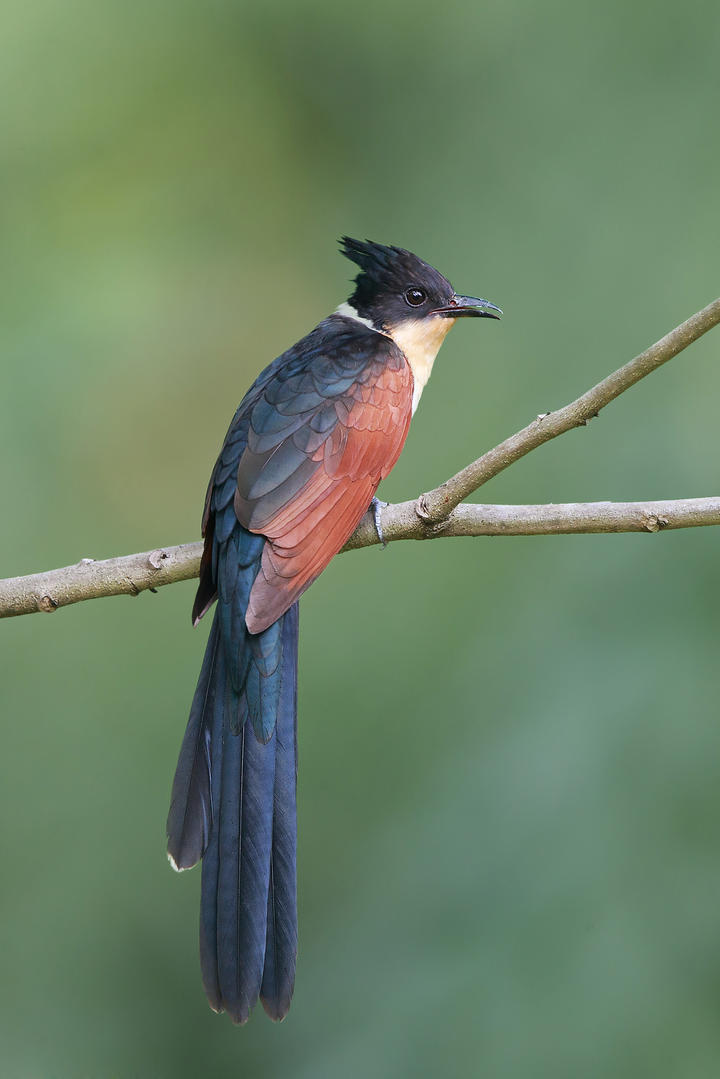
x=510 y=749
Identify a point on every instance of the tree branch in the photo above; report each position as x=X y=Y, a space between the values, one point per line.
x=128 y=575
x=437 y=513
x=133 y=574
x=401 y=521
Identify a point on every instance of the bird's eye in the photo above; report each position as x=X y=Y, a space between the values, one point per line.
x=415 y=297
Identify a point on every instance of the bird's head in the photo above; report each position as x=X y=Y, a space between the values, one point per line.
x=407 y=299
x=395 y=288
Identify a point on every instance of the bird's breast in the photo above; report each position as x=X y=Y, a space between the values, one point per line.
x=419 y=340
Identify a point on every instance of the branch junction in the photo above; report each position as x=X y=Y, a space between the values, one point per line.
x=437 y=513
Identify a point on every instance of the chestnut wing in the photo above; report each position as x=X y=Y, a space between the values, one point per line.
x=319 y=442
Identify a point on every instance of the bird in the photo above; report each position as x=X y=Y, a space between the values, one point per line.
x=305 y=452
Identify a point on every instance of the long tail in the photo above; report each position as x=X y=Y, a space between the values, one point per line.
x=234 y=805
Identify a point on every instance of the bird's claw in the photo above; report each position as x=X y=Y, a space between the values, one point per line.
x=377 y=506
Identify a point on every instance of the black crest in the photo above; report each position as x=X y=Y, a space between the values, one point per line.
x=387 y=273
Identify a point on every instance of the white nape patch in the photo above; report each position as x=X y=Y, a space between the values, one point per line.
x=348 y=311
x=420 y=340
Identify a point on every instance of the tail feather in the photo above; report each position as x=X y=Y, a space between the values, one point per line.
x=234 y=804
x=188 y=824
x=245 y=850
x=281 y=946
x=216 y=707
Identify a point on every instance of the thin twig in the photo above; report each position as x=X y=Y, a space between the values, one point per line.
x=135 y=573
x=437 y=504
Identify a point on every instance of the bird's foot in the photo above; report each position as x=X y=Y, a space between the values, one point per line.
x=377 y=506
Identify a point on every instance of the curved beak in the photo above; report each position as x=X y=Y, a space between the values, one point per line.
x=469 y=307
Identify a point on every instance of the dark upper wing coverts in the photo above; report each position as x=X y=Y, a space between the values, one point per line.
x=309 y=444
